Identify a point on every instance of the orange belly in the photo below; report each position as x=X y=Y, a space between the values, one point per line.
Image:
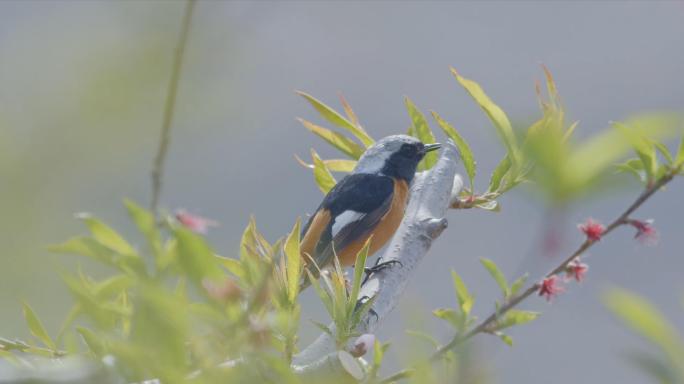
x=385 y=229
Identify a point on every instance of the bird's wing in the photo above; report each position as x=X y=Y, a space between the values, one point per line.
x=353 y=208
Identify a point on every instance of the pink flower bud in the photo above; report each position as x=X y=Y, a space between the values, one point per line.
x=576 y=270
x=646 y=232
x=592 y=229
x=550 y=287
x=363 y=344
x=195 y=223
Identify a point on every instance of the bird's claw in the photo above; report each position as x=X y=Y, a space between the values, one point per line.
x=379 y=267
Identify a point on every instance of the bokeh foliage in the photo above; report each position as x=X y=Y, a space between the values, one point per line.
x=172 y=308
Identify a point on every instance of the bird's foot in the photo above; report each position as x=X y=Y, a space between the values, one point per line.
x=379 y=267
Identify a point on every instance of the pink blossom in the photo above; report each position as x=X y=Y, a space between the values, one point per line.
x=195 y=223
x=593 y=229
x=576 y=270
x=550 y=287
x=646 y=232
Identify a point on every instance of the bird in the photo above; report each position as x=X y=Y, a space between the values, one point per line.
x=370 y=201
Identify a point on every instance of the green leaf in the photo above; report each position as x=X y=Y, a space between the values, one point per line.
x=664 y=151
x=359 y=267
x=322 y=294
x=379 y=352
x=146 y=223
x=505 y=338
x=36 y=327
x=422 y=130
x=465 y=299
x=679 y=160
x=643 y=318
x=233 y=266
x=518 y=284
x=498 y=175
x=463 y=147
x=456 y=319
x=349 y=111
x=498 y=276
x=92 y=340
x=515 y=317
x=634 y=167
x=324 y=179
x=195 y=257
x=643 y=148
x=323 y=328
x=337 y=140
x=294 y=262
x=112 y=286
x=106 y=235
x=334 y=165
x=335 y=118
x=495 y=114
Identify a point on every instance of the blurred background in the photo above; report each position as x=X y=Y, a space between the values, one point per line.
x=81 y=97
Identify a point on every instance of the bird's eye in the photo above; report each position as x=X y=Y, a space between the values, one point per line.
x=409 y=150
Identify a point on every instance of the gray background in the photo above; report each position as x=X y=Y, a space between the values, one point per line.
x=81 y=91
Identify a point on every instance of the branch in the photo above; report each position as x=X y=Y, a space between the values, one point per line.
x=431 y=194
x=169 y=107
x=489 y=323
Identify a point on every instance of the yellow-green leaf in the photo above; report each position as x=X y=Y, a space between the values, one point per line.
x=495 y=114
x=196 y=257
x=335 y=118
x=351 y=115
x=449 y=315
x=294 y=262
x=642 y=317
x=680 y=153
x=106 y=235
x=422 y=131
x=233 y=266
x=664 y=151
x=36 y=327
x=359 y=267
x=92 y=340
x=463 y=147
x=337 y=140
x=334 y=165
x=146 y=223
x=498 y=276
x=515 y=317
x=498 y=174
x=518 y=284
x=324 y=179
x=465 y=299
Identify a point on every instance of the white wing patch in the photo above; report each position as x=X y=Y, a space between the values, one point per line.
x=343 y=219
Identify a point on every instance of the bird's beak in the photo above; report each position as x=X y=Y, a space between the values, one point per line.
x=431 y=147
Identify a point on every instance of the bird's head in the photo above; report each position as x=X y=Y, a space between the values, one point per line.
x=395 y=156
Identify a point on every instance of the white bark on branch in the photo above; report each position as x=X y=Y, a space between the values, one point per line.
x=431 y=194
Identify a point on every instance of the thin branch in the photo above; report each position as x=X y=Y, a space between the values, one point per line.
x=489 y=323
x=169 y=107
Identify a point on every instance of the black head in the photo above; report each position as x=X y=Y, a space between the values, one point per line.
x=396 y=156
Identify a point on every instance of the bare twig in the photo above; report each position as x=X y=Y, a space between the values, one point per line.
x=169 y=107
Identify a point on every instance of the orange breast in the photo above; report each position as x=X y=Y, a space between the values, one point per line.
x=384 y=230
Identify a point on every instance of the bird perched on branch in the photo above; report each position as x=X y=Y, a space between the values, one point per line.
x=368 y=202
